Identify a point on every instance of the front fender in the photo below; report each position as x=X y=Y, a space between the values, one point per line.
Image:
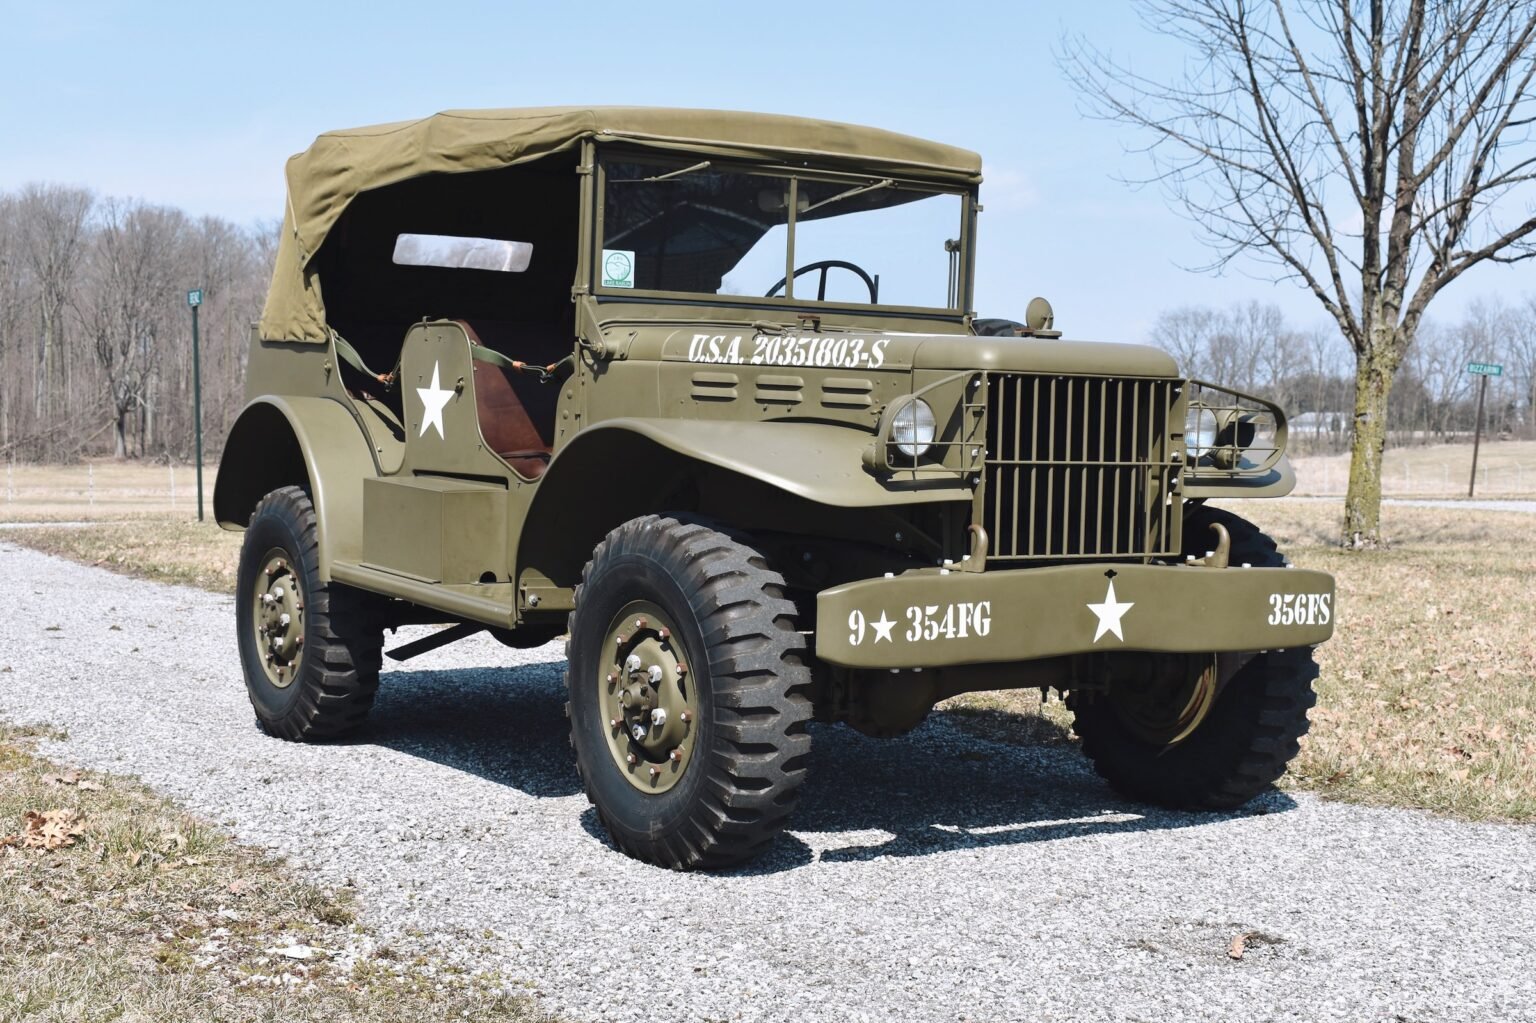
x=310 y=442
x=817 y=462
x=619 y=469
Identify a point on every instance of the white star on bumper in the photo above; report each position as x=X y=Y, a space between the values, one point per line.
x=433 y=400
x=883 y=628
x=1110 y=612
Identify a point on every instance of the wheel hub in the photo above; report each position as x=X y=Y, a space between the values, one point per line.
x=1166 y=708
x=649 y=701
x=279 y=619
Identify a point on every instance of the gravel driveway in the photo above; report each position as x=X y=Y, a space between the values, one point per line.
x=937 y=877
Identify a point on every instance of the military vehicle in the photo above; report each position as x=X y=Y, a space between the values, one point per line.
x=704 y=392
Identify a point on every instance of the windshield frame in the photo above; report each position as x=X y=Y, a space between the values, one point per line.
x=668 y=161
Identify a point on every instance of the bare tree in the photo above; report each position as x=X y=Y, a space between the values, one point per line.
x=1373 y=151
x=133 y=275
x=52 y=219
x=10 y=311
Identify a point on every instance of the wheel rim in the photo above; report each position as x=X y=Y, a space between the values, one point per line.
x=278 y=618
x=648 y=697
x=1166 y=709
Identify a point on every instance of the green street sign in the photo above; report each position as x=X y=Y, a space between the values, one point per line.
x=195 y=297
x=1487 y=369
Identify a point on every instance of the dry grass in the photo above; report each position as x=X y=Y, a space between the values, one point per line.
x=160 y=547
x=1504 y=469
x=1428 y=689
x=101 y=489
x=153 y=915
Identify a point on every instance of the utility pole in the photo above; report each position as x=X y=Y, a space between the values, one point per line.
x=1484 y=370
x=195 y=299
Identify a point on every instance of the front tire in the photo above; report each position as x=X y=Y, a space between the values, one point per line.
x=311 y=651
x=1252 y=731
x=688 y=694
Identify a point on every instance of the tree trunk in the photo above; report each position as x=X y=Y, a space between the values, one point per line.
x=120 y=435
x=1373 y=385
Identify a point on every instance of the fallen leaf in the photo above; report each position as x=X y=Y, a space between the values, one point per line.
x=1236 y=948
x=174 y=839
x=5 y=669
x=136 y=857
x=52 y=829
x=89 y=786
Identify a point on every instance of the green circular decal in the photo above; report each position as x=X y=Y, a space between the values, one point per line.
x=618 y=267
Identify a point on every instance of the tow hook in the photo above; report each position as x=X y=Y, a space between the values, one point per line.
x=1219 y=557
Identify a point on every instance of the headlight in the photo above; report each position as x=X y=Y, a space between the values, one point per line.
x=914 y=428
x=1199 y=432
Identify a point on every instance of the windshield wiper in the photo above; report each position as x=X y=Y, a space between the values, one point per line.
x=839 y=197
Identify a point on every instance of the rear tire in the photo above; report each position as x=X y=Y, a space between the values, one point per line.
x=311 y=651
x=1253 y=729
x=715 y=780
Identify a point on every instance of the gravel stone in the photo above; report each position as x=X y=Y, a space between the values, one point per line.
x=935 y=877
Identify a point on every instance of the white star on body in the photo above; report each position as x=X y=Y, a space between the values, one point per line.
x=433 y=400
x=883 y=628
x=1110 y=612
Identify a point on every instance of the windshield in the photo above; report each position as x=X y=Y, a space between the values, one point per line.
x=710 y=229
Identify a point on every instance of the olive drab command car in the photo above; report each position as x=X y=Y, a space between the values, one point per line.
x=702 y=392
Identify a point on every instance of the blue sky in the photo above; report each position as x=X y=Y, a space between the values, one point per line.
x=198 y=105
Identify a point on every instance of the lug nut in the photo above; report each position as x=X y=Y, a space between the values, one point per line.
x=686 y=717
x=640 y=623
x=676 y=755
x=654 y=674
x=632 y=663
x=658 y=717
x=655 y=771
x=614 y=722
x=638 y=732
x=284 y=621
x=665 y=633
x=631 y=759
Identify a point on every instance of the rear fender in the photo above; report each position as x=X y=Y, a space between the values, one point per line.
x=314 y=443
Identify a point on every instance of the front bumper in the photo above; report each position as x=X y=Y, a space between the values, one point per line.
x=933 y=618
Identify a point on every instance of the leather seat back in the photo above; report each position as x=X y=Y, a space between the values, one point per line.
x=516 y=413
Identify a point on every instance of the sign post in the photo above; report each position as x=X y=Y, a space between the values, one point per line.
x=1484 y=370
x=195 y=299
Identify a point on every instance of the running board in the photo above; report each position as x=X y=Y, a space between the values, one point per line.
x=489 y=603
x=440 y=638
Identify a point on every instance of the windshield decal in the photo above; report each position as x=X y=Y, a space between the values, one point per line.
x=618 y=268
x=789 y=350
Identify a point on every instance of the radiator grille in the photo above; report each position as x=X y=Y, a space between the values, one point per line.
x=1079 y=468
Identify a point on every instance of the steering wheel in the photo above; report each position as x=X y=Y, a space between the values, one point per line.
x=872 y=283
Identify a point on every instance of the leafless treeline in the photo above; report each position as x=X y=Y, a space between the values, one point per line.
x=1310 y=371
x=95 y=334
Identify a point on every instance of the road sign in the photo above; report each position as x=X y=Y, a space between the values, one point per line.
x=195 y=297
x=1487 y=369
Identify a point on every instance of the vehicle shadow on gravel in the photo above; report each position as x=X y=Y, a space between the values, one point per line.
x=935 y=790
x=939 y=789
x=506 y=726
